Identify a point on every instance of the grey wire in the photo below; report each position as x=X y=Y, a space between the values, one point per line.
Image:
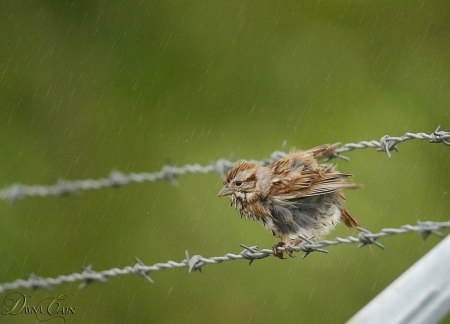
x=196 y=262
x=222 y=166
x=117 y=179
x=388 y=143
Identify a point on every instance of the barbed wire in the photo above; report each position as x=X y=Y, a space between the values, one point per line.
x=222 y=166
x=196 y=262
x=388 y=143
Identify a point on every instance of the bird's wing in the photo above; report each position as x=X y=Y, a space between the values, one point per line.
x=322 y=151
x=299 y=175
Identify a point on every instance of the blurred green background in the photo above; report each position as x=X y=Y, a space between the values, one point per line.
x=87 y=87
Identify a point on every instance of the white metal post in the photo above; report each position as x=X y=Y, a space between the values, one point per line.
x=420 y=295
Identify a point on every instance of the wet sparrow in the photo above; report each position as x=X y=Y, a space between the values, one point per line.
x=290 y=197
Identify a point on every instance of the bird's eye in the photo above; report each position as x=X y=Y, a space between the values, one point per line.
x=238 y=183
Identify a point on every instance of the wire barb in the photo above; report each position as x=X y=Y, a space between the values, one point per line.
x=307 y=246
x=88 y=276
x=38 y=282
x=366 y=238
x=141 y=270
x=387 y=145
x=195 y=263
x=336 y=154
x=440 y=136
x=252 y=253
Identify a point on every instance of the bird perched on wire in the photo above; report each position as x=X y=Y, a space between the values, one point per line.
x=291 y=197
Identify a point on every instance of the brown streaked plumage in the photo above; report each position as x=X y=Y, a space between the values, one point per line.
x=291 y=197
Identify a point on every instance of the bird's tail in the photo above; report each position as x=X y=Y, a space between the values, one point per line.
x=348 y=219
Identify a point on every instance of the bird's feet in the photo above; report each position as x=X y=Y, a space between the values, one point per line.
x=288 y=244
x=275 y=252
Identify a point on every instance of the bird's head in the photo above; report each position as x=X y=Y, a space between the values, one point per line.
x=242 y=182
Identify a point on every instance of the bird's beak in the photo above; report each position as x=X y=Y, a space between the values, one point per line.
x=225 y=191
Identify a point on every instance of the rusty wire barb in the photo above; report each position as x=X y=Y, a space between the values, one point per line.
x=196 y=262
x=222 y=166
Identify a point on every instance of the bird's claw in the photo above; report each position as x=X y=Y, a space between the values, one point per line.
x=275 y=252
x=288 y=249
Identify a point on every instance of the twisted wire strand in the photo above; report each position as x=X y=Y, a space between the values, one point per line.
x=196 y=262
x=388 y=143
x=116 y=178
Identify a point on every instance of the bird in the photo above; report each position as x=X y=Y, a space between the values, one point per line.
x=294 y=196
